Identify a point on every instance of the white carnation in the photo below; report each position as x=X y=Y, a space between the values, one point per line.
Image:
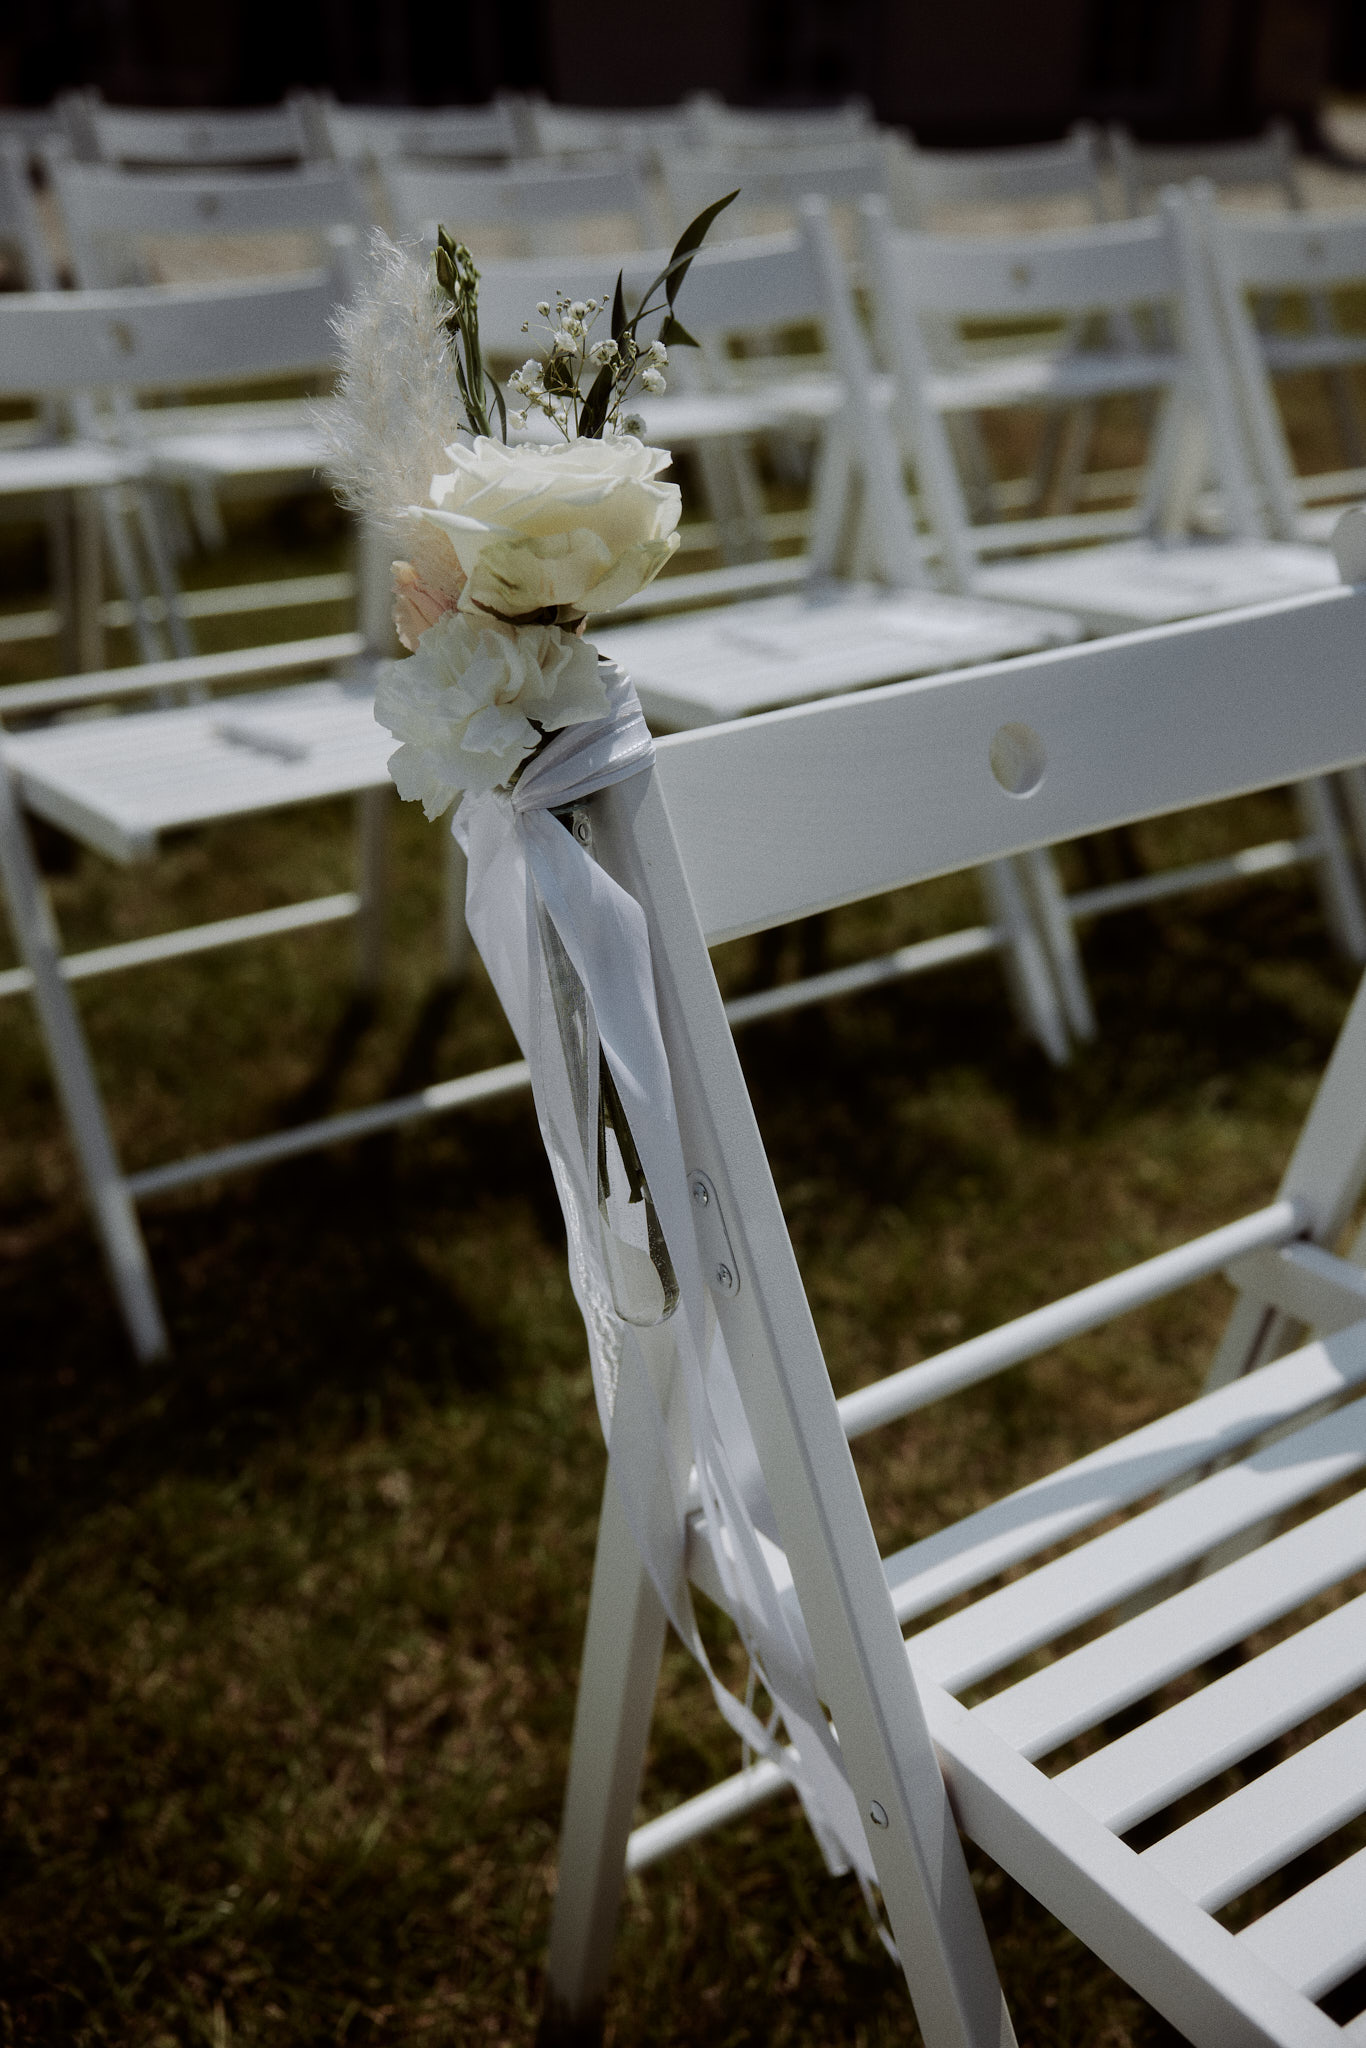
x=571 y=530
x=463 y=705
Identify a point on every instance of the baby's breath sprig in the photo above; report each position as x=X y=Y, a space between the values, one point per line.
x=620 y=359
x=458 y=280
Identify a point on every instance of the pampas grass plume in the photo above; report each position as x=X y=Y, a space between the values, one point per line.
x=396 y=408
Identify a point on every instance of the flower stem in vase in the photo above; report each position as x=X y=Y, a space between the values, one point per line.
x=640 y=1272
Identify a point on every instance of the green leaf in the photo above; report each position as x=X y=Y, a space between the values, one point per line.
x=496 y=388
x=593 y=413
x=690 y=241
x=618 y=310
x=674 y=334
x=445 y=270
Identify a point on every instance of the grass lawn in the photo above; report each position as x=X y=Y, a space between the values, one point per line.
x=291 y=1624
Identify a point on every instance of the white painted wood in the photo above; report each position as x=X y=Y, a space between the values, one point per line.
x=1218 y=1993
x=202 y=938
x=1317 y=1938
x=1225 y=1721
x=165 y=137
x=741 y=659
x=367 y=135
x=1127 y=728
x=119 y=784
x=1077 y=1691
x=1225 y=1851
x=438 y=1099
x=970 y=1552
x=772 y=183
x=1304 y=1281
x=926 y=182
x=977 y=1358
x=116 y=1221
x=112 y=685
x=1147 y=168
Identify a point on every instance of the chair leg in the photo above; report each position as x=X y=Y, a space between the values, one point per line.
x=372 y=846
x=1060 y=937
x=88 y=582
x=1341 y=895
x=1031 y=985
x=116 y=1220
x=622 y=1648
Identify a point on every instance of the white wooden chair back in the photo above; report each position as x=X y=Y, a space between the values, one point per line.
x=772 y=184
x=929 y=183
x=111 y=216
x=530 y=208
x=1145 y=277
x=718 y=126
x=740 y=827
x=154 y=337
x=166 y=138
x=1306 y=258
x=20 y=225
x=558 y=131
x=1265 y=163
x=367 y=135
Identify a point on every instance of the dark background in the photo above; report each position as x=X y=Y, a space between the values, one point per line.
x=970 y=72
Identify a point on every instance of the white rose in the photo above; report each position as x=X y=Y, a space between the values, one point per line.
x=579 y=528
x=463 y=704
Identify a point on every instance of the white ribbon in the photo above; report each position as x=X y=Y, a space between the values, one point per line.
x=526 y=869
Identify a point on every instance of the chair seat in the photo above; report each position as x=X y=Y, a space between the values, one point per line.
x=118 y=783
x=1278 y=1498
x=68 y=466
x=1150 y=583
x=288 y=448
x=726 y=663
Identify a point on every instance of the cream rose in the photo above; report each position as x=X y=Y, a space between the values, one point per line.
x=463 y=705
x=577 y=528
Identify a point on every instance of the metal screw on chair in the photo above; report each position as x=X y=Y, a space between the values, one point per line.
x=724 y=1277
x=699 y=1194
x=877 y=1814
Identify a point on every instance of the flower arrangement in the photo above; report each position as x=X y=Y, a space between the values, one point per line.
x=506 y=546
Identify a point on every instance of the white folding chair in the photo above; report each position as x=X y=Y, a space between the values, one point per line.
x=1296 y=262
x=165 y=138
x=647 y=133
x=1257 y=170
x=772 y=183
x=945 y=188
x=1265 y=164
x=736 y=659
x=719 y=126
x=1139 y=1547
x=525 y=209
x=365 y=136
x=119 y=225
x=1129 y=272
x=117 y=783
x=1305 y=260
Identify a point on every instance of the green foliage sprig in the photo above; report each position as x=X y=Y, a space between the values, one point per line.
x=458 y=280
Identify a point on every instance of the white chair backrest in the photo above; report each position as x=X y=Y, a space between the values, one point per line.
x=108 y=214
x=148 y=337
x=1265 y=161
x=717 y=126
x=537 y=208
x=926 y=183
x=20 y=224
x=771 y=184
x=1150 y=266
x=366 y=135
x=552 y=130
x=167 y=138
x=1306 y=256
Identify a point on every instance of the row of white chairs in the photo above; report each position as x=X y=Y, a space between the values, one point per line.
x=942 y=608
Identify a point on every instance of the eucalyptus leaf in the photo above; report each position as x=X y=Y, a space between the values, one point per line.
x=690 y=241
x=674 y=334
x=593 y=415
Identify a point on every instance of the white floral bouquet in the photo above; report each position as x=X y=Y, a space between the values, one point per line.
x=506 y=547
